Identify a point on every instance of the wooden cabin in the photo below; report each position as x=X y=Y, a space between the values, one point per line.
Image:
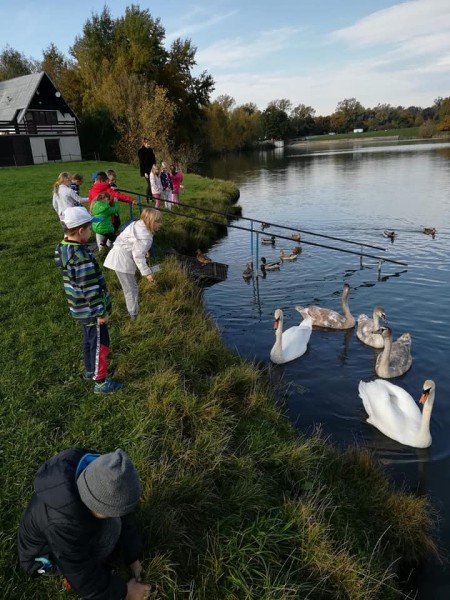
x=36 y=124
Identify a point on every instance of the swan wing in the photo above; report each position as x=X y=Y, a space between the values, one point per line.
x=391 y=410
x=322 y=317
x=365 y=332
x=295 y=340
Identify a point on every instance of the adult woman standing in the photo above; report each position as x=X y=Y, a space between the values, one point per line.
x=129 y=252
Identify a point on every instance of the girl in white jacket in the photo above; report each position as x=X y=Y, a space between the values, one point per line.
x=129 y=252
x=156 y=185
x=64 y=196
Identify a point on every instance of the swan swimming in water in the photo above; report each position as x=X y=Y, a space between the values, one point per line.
x=396 y=357
x=369 y=329
x=292 y=343
x=394 y=412
x=325 y=317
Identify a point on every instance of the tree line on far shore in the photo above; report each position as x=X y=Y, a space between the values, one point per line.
x=122 y=82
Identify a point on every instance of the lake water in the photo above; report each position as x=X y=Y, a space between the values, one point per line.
x=354 y=193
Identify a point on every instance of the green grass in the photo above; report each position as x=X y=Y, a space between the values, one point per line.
x=235 y=504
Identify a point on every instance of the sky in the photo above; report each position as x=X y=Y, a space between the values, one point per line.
x=315 y=52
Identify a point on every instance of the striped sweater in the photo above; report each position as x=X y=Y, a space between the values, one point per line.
x=84 y=283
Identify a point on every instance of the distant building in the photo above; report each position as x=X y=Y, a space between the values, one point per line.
x=358 y=131
x=36 y=124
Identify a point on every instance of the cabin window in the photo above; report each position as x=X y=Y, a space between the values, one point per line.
x=42 y=117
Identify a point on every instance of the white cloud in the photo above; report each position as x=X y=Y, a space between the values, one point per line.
x=200 y=23
x=398 y=23
x=237 y=51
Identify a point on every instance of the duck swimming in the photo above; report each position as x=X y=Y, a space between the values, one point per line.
x=270 y=240
x=265 y=266
x=202 y=258
x=284 y=256
x=296 y=236
x=390 y=234
x=248 y=271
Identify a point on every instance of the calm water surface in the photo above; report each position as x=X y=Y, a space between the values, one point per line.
x=353 y=193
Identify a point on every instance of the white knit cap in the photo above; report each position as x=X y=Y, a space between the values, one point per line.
x=75 y=216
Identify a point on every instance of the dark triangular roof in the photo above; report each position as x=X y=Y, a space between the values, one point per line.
x=16 y=94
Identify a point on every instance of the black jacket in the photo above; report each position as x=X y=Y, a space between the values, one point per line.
x=57 y=524
x=147 y=159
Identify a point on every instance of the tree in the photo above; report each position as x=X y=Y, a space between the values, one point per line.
x=302 y=120
x=274 y=120
x=16 y=64
x=349 y=113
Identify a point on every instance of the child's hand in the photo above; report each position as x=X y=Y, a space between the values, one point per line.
x=134 y=202
x=102 y=320
x=150 y=278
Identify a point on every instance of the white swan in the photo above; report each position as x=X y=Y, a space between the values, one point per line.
x=368 y=329
x=396 y=357
x=394 y=412
x=292 y=343
x=325 y=317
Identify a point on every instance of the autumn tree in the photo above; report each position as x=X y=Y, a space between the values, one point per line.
x=275 y=119
x=16 y=64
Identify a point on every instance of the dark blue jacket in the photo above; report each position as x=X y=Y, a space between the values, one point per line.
x=57 y=525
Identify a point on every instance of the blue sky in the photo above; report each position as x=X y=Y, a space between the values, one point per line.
x=311 y=52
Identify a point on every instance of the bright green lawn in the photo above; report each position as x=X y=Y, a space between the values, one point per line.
x=235 y=505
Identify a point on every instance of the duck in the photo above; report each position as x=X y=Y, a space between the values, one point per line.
x=296 y=236
x=292 y=343
x=430 y=231
x=248 y=271
x=265 y=226
x=393 y=411
x=296 y=250
x=270 y=240
x=284 y=256
x=369 y=329
x=265 y=266
x=202 y=258
x=396 y=357
x=390 y=234
x=325 y=317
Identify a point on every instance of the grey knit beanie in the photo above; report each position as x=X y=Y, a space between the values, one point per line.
x=110 y=485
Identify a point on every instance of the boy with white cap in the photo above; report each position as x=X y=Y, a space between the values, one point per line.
x=86 y=293
x=79 y=514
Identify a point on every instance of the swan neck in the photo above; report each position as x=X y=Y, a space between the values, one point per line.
x=384 y=360
x=345 y=308
x=376 y=321
x=426 y=415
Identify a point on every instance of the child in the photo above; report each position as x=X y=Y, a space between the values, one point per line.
x=102 y=184
x=166 y=186
x=176 y=178
x=88 y=298
x=77 y=181
x=103 y=209
x=79 y=514
x=155 y=183
x=112 y=178
x=129 y=251
x=63 y=195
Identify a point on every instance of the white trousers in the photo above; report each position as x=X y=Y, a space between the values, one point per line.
x=130 y=291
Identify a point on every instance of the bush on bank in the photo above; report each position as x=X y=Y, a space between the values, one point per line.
x=235 y=503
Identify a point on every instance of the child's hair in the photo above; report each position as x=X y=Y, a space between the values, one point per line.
x=111 y=173
x=70 y=231
x=155 y=168
x=163 y=165
x=103 y=197
x=101 y=176
x=59 y=181
x=77 y=177
x=150 y=216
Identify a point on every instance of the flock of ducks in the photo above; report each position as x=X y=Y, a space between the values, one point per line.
x=426 y=230
x=389 y=407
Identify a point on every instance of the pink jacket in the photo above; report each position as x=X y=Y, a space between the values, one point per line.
x=177 y=180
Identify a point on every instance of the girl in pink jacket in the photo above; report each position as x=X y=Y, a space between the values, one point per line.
x=176 y=178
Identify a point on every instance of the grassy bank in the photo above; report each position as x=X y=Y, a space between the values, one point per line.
x=235 y=505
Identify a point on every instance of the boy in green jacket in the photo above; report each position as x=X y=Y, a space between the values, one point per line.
x=103 y=208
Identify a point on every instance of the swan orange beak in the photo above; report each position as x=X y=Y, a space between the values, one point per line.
x=275 y=323
x=424 y=397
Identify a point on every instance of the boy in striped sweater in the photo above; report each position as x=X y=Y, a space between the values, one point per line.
x=88 y=298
